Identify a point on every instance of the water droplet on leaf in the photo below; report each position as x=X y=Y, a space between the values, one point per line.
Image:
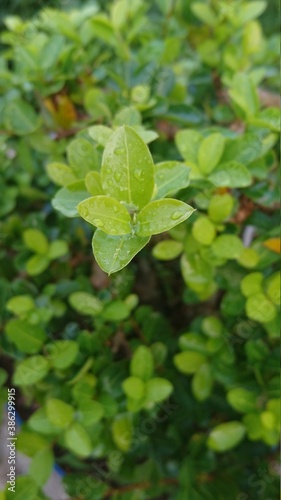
x=119 y=151
x=138 y=174
x=177 y=215
x=117 y=176
x=98 y=223
x=109 y=182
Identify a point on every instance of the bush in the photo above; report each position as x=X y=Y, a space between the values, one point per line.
x=149 y=369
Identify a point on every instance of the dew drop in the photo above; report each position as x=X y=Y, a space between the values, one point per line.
x=161 y=176
x=138 y=175
x=108 y=170
x=85 y=212
x=177 y=215
x=119 y=151
x=113 y=231
x=109 y=182
x=115 y=209
x=117 y=176
x=98 y=223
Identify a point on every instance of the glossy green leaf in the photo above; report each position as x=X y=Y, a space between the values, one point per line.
x=61 y=174
x=249 y=11
x=68 y=198
x=212 y=327
x=41 y=466
x=162 y=215
x=205 y=13
x=134 y=387
x=231 y=174
x=62 y=353
x=82 y=157
x=36 y=240
x=241 y=400
x=26 y=488
x=100 y=134
x=20 y=304
x=268 y=118
x=20 y=118
x=39 y=423
x=260 y=308
x=244 y=93
x=27 y=337
x=192 y=342
x=227 y=246
x=128 y=116
x=116 y=311
x=188 y=362
x=57 y=249
x=210 y=152
x=170 y=177
x=167 y=250
x=85 y=303
x=251 y=284
x=203 y=230
x=248 y=258
x=127 y=171
x=122 y=432
x=142 y=363
x=158 y=389
x=31 y=370
x=107 y=214
x=272 y=287
x=93 y=183
x=78 y=440
x=95 y=104
x=188 y=143
x=90 y=412
x=226 y=436
x=37 y=264
x=59 y=413
x=202 y=382
x=112 y=253
x=243 y=149
x=220 y=207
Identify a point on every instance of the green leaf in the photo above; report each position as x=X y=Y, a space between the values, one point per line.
x=212 y=327
x=192 y=342
x=203 y=230
x=36 y=240
x=243 y=149
x=161 y=215
x=57 y=249
x=116 y=311
x=134 y=387
x=205 y=13
x=188 y=362
x=39 y=423
x=260 y=308
x=226 y=436
x=37 y=264
x=112 y=253
x=128 y=116
x=254 y=427
x=78 y=440
x=26 y=488
x=268 y=118
x=30 y=443
x=62 y=353
x=93 y=183
x=272 y=286
x=107 y=214
x=85 y=303
x=122 y=432
x=158 y=389
x=241 y=400
x=59 y=413
x=100 y=134
x=142 y=363
x=20 y=304
x=30 y=371
x=67 y=198
x=20 y=118
x=82 y=157
x=249 y=11
x=27 y=337
x=90 y=412
x=41 y=466
x=127 y=171
x=210 y=152
x=60 y=174
x=220 y=207
x=231 y=174
x=227 y=246
x=170 y=177
x=167 y=250
x=248 y=258
x=202 y=382
x=188 y=143
x=251 y=284
x=244 y=93
x=95 y=104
